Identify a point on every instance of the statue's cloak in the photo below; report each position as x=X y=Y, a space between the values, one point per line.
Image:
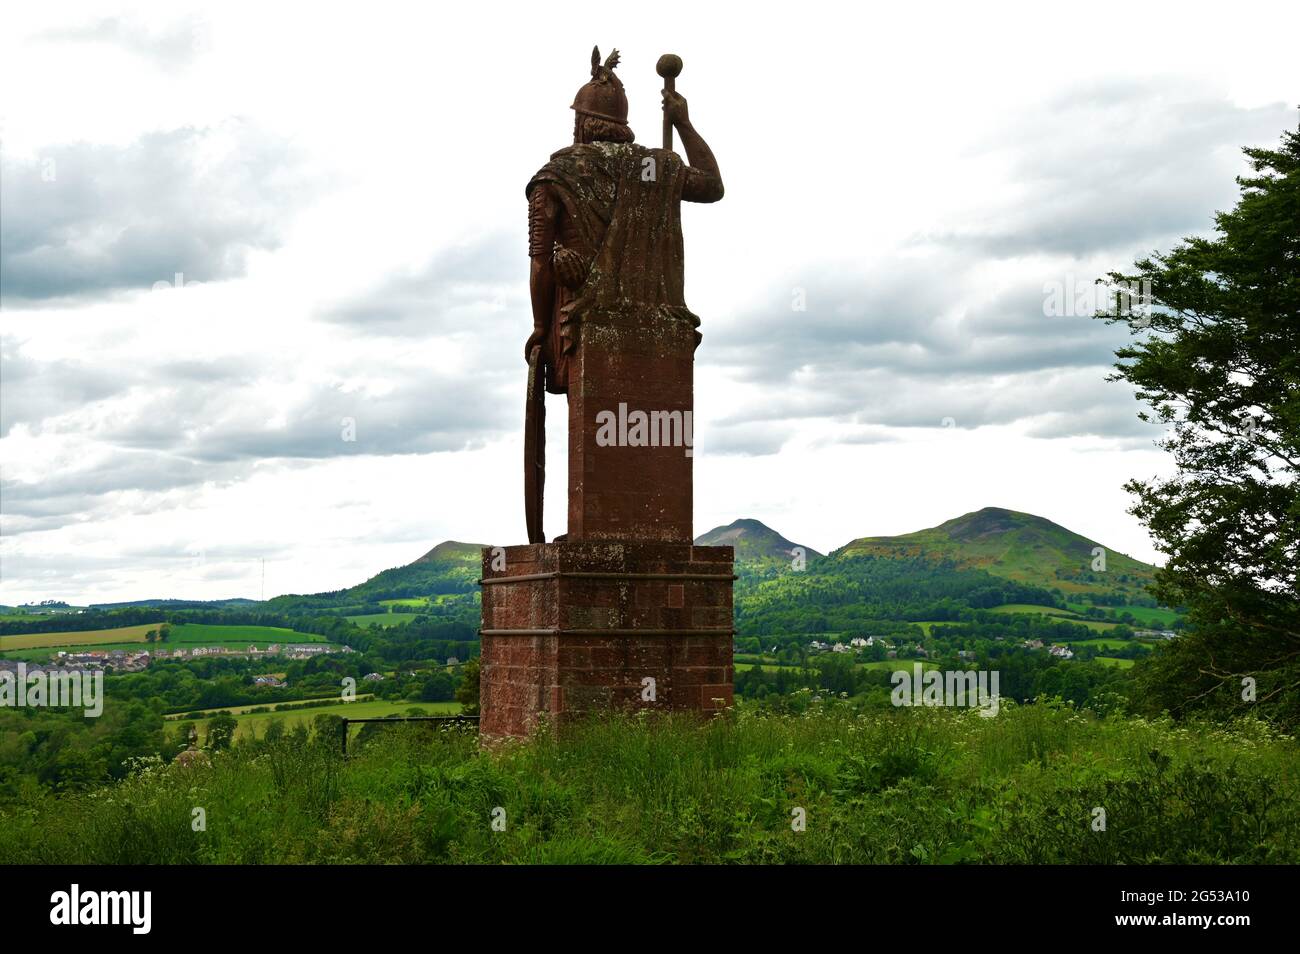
x=625 y=202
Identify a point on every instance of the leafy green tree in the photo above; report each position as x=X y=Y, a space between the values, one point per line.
x=1217 y=359
x=438 y=687
x=221 y=731
x=467 y=693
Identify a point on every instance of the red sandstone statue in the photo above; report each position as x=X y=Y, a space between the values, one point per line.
x=624 y=610
x=605 y=240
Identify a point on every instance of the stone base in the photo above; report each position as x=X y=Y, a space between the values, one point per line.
x=573 y=627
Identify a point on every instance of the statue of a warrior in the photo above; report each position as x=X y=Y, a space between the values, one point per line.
x=605 y=238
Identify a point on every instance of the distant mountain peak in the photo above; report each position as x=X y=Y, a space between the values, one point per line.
x=753 y=540
x=1017 y=545
x=452 y=550
x=990 y=521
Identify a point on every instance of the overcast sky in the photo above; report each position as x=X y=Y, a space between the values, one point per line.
x=341 y=188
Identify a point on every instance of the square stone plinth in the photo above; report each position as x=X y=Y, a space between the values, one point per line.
x=572 y=627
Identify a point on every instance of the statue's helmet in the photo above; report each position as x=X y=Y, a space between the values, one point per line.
x=603 y=96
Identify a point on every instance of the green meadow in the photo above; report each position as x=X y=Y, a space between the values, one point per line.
x=240 y=710
x=382 y=619
x=1103 y=643
x=39 y=646
x=205 y=634
x=251 y=724
x=891 y=786
x=1064 y=616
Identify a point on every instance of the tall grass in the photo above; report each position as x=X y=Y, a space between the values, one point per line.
x=897 y=787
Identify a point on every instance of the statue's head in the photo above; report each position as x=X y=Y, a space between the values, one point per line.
x=600 y=108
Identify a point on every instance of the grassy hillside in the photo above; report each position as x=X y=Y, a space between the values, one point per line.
x=450 y=569
x=1017 y=546
x=897 y=786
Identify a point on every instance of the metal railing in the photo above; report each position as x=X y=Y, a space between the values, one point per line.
x=448 y=719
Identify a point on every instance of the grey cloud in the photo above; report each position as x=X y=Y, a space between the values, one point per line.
x=226 y=419
x=756 y=439
x=31 y=391
x=467 y=288
x=83 y=577
x=928 y=318
x=1118 y=167
x=76 y=489
x=915 y=336
x=189 y=201
x=180 y=424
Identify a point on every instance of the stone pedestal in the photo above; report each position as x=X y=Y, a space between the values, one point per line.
x=575 y=626
x=636 y=369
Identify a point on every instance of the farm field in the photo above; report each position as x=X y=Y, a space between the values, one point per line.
x=891 y=665
x=766 y=667
x=1064 y=616
x=249 y=724
x=207 y=634
x=749 y=662
x=1112 y=661
x=408 y=601
x=1101 y=643
x=1151 y=616
x=241 y=710
x=1034 y=608
x=99 y=638
x=382 y=619
x=38 y=647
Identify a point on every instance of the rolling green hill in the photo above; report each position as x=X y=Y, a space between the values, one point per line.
x=449 y=569
x=970 y=565
x=1016 y=546
x=754 y=542
x=978 y=561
